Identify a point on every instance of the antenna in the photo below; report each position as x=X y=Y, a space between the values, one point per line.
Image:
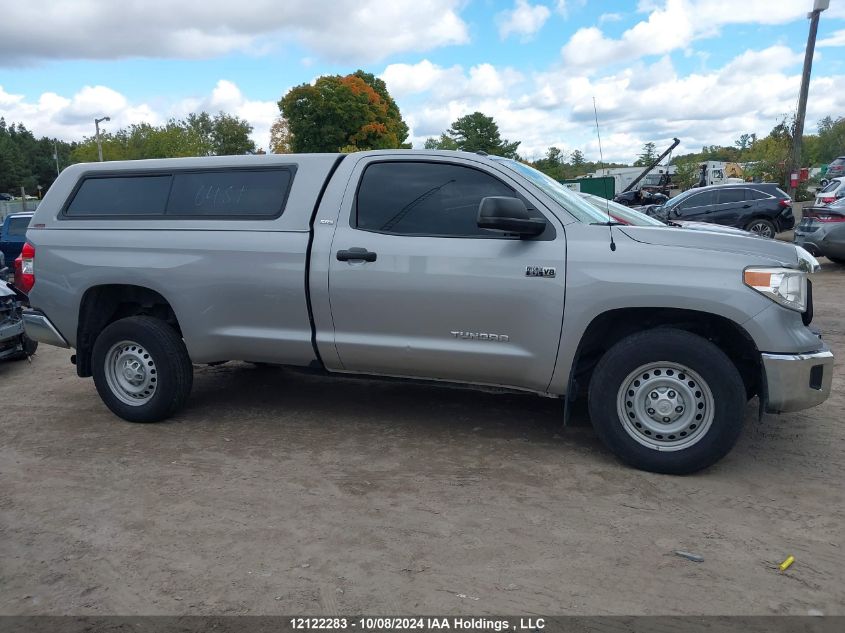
x=601 y=165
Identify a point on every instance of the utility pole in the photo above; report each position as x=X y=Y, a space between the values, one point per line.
x=798 y=133
x=99 y=144
x=56 y=156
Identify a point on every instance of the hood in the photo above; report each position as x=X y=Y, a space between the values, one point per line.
x=783 y=253
x=715 y=228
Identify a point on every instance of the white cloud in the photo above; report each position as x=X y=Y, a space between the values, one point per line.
x=837 y=39
x=524 y=19
x=341 y=30
x=482 y=80
x=610 y=17
x=671 y=26
x=636 y=104
x=72 y=118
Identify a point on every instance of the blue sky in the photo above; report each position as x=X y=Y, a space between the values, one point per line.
x=703 y=70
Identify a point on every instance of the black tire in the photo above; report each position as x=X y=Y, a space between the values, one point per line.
x=683 y=349
x=29 y=348
x=762 y=226
x=837 y=260
x=624 y=202
x=173 y=372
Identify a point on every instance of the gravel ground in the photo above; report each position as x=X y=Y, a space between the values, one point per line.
x=275 y=492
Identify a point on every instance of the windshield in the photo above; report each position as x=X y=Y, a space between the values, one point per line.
x=620 y=212
x=580 y=209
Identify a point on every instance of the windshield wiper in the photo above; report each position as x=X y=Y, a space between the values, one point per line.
x=608 y=224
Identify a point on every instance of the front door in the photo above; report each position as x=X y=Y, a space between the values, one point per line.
x=731 y=204
x=417 y=289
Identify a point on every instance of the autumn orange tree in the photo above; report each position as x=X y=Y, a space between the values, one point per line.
x=343 y=113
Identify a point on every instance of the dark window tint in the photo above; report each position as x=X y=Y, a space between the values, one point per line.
x=412 y=198
x=18 y=226
x=236 y=192
x=754 y=194
x=121 y=195
x=699 y=200
x=731 y=195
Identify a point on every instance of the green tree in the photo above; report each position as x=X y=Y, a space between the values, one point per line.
x=577 y=158
x=553 y=163
x=686 y=174
x=343 y=112
x=647 y=155
x=199 y=134
x=280 y=138
x=745 y=141
x=444 y=142
x=27 y=161
x=477 y=132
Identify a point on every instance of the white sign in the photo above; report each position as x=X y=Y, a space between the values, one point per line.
x=575 y=186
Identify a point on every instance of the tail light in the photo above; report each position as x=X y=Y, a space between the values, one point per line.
x=785 y=202
x=25 y=268
x=828 y=199
x=824 y=216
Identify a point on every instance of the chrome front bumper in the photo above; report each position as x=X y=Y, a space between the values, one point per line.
x=39 y=328
x=797 y=381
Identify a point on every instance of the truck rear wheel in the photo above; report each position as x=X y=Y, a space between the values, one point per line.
x=667 y=401
x=141 y=369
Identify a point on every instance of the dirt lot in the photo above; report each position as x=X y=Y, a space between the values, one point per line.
x=275 y=492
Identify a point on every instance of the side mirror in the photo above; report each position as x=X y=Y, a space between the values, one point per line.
x=508 y=215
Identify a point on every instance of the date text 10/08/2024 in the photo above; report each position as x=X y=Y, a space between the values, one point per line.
x=417 y=623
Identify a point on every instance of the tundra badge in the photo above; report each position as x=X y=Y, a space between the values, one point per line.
x=539 y=271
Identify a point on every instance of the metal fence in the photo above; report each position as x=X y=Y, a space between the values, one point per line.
x=15 y=206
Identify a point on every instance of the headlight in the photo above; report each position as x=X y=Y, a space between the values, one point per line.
x=806 y=261
x=785 y=286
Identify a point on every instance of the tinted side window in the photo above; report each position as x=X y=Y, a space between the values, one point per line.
x=699 y=200
x=121 y=195
x=18 y=226
x=237 y=192
x=731 y=195
x=413 y=198
x=754 y=194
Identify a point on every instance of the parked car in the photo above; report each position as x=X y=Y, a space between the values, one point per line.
x=6 y=197
x=834 y=190
x=835 y=169
x=627 y=215
x=13 y=234
x=14 y=343
x=446 y=266
x=822 y=231
x=640 y=197
x=761 y=208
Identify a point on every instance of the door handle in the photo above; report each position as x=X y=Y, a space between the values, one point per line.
x=356 y=254
x=746 y=206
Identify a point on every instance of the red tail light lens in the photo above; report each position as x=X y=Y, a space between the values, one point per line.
x=828 y=199
x=25 y=268
x=824 y=216
x=785 y=202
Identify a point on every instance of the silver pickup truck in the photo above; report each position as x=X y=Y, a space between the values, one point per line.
x=444 y=266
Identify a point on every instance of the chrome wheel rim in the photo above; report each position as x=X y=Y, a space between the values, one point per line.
x=131 y=373
x=761 y=229
x=665 y=406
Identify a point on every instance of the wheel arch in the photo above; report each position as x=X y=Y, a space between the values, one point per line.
x=105 y=304
x=609 y=327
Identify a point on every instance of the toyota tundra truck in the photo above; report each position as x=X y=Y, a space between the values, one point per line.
x=427 y=265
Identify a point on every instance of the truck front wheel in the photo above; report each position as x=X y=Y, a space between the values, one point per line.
x=667 y=401
x=141 y=369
